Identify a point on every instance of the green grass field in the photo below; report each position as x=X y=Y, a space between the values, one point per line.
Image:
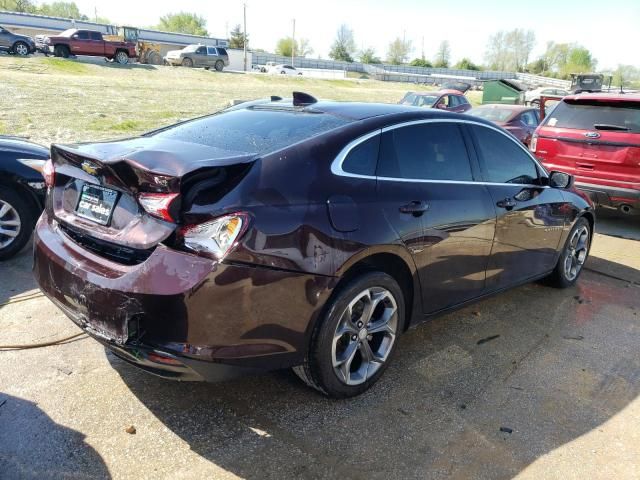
x=57 y=100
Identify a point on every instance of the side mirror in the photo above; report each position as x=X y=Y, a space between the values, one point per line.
x=75 y=37
x=441 y=106
x=560 y=180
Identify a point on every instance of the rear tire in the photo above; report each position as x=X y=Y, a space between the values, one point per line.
x=61 y=51
x=17 y=219
x=219 y=65
x=21 y=49
x=353 y=343
x=574 y=255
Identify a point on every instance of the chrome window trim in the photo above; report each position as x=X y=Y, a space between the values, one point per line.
x=336 y=165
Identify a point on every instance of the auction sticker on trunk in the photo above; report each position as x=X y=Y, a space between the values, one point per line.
x=96 y=203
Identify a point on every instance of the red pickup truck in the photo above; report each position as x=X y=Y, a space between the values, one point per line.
x=88 y=42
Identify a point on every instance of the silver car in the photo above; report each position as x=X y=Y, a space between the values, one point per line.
x=199 y=56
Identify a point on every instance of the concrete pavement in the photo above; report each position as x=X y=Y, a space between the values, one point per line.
x=532 y=383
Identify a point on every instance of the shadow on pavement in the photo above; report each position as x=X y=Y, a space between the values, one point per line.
x=17 y=278
x=30 y=439
x=544 y=372
x=611 y=222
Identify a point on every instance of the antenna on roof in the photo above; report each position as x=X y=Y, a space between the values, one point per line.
x=301 y=99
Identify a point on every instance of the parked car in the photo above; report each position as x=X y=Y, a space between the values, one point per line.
x=199 y=56
x=283 y=69
x=451 y=100
x=22 y=192
x=518 y=120
x=532 y=97
x=596 y=137
x=297 y=233
x=21 y=45
x=90 y=43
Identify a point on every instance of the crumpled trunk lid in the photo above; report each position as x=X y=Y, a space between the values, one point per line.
x=125 y=169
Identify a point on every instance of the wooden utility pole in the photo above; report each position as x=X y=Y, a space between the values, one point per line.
x=293 y=42
x=244 y=35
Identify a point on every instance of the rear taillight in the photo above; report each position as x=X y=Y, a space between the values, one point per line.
x=214 y=238
x=49 y=173
x=158 y=204
x=533 y=143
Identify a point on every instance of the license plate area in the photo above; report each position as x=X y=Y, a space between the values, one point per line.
x=96 y=203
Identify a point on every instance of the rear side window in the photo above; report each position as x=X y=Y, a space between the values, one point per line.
x=585 y=115
x=433 y=151
x=502 y=159
x=95 y=35
x=211 y=51
x=252 y=131
x=363 y=158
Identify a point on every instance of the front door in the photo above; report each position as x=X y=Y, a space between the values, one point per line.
x=200 y=57
x=530 y=216
x=444 y=217
x=5 y=39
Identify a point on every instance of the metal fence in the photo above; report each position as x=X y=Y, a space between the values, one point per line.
x=407 y=73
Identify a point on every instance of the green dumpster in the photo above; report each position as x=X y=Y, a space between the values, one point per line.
x=503 y=91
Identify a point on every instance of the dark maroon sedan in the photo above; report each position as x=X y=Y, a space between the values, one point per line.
x=297 y=233
x=447 y=99
x=518 y=120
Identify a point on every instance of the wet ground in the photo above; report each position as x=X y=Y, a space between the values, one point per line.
x=534 y=383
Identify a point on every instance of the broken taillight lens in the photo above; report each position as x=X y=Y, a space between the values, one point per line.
x=158 y=204
x=216 y=237
x=49 y=173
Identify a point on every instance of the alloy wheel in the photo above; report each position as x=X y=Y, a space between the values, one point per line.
x=577 y=247
x=364 y=336
x=9 y=224
x=21 y=49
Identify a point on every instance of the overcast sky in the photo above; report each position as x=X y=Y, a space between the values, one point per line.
x=611 y=31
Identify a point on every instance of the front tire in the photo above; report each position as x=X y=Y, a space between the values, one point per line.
x=21 y=49
x=187 y=62
x=353 y=342
x=61 y=51
x=573 y=256
x=122 y=57
x=17 y=220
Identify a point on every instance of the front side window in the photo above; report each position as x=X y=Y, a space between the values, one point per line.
x=83 y=35
x=201 y=51
x=363 y=158
x=431 y=151
x=502 y=159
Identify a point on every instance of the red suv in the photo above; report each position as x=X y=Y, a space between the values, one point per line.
x=596 y=138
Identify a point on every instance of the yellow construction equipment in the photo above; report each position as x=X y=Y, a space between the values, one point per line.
x=147 y=52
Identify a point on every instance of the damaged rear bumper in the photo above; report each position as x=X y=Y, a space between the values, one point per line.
x=211 y=320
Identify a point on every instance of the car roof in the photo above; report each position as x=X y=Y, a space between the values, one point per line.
x=604 y=96
x=353 y=110
x=514 y=108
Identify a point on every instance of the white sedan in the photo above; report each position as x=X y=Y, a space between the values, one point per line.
x=284 y=70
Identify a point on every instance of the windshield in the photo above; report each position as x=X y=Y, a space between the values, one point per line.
x=492 y=114
x=591 y=115
x=68 y=33
x=190 y=48
x=258 y=131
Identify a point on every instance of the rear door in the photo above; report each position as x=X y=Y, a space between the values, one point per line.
x=444 y=217
x=596 y=140
x=530 y=216
x=212 y=56
x=96 y=43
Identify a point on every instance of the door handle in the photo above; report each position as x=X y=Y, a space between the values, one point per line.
x=416 y=207
x=508 y=203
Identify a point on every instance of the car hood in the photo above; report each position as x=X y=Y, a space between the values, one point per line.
x=26 y=38
x=174 y=53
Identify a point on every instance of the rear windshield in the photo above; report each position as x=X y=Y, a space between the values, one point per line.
x=594 y=115
x=258 y=131
x=492 y=114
